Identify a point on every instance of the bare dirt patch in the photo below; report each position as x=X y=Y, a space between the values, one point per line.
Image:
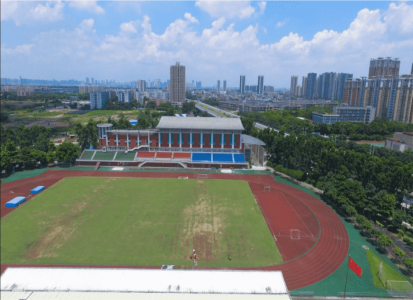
x=202 y=225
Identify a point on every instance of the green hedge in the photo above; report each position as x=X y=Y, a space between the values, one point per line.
x=293 y=173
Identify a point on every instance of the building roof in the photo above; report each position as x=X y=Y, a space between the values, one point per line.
x=144 y=281
x=205 y=123
x=250 y=140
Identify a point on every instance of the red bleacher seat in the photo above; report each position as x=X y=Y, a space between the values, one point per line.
x=163 y=154
x=146 y=154
x=181 y=155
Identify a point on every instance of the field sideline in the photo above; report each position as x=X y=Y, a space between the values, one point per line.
x=140 y=221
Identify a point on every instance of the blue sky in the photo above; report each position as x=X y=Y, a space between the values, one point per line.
x=134 y=40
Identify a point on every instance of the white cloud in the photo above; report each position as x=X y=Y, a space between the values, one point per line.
x=22 y=12
x=220 y=51
x=262 y=6
x=20 y=49
x=88 y=5
x=280 y=24
x=401 y=17
x=228 y=9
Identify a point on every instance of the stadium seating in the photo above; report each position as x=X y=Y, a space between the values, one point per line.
x=146 y=154
x=201 y=157
x=182 y=155
x=222 y=157
x=239 y=158
x=163 y=154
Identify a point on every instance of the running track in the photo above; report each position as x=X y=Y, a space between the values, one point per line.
x=317 y=263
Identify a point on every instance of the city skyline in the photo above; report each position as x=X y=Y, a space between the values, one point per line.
x=225 y=39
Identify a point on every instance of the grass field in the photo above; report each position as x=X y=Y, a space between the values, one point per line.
x=387 y=274
x=132 y=221
x=88 y=154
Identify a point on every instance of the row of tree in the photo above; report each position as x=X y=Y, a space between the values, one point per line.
x=353 y=179
x=288 y=122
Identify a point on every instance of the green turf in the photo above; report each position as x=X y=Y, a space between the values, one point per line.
x=122 y=156
x=388 y=273
x=87 y=154
x=24 y=174
x=100 y=155
x=136 y=221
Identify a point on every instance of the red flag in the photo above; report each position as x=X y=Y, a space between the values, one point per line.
x=354 y=267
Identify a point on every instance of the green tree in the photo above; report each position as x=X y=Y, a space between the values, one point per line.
x=5 y=159
x=385 y=241
x=87 y=135
x=408 y=262
x=399 y=252
x=248 y=124
x=151 y=105
x=67 y=152
x=398 y=218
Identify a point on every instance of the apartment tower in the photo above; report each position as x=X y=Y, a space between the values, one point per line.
x=311 y=85
x=224 y=85
x=218 y=85
x=242 y=84
x=293 y=86
x=177 y=84
x=383 y=67
x=260 y=84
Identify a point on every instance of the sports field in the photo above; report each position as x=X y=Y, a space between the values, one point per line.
x=140 y=221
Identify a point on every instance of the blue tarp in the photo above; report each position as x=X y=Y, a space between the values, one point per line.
x=15 y=201
x=133 y=122
x=201 y=157
x=37 y=189
x=222 y=157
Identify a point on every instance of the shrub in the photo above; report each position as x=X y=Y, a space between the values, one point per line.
x=360 y=219
x=400 y=234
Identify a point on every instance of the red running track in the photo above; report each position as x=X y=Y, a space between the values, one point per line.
x=322 y=248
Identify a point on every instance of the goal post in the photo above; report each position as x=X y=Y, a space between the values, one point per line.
x=267 y=188
x=399 y=288
x=295 y=234
x=183 y=177
x=202 y=176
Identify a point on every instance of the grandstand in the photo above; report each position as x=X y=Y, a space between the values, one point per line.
x=176 y=142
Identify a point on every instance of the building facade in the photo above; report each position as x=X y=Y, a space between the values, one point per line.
x=260 y=84
x=311 y=85
x=304 y=86
x=391 y=97
x=355 y=114
x=177 y=85
x=124 y=96
x=401 y=141
x=319 y=118
x=242 y=84
x=224 y=85
x=141 y=85
x=98 y=99
x=384 y=67
x=218 y=85
x=293 y=86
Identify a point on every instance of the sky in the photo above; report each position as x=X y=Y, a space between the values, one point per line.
x=132 y=40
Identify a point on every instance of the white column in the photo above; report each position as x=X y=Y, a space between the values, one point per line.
x=190 y=138
x=117 y=140
x=127 y=141
x=170 y=135
x=222 y=140
x=139 y=140
x=159 y=140
x=180 y=139
x=233 y=140
x=107 y=141
x=149 y=141
x=212 y=140
x=200 y=142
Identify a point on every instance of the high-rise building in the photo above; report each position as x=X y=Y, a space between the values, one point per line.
x=412 y=70
x=218 y=85
x=141 y=85
x=177 y=84
x=198 y=84
x=383 y=67
x=92 y=81
x=326 y=86
x=87 y=81
x=260 y=84
x=341 y=80
x=124 y=96
x=242 y=84
x=304 y=86
x=391 y=97
x=293 y=86
x=98 y=99
x=224 y=85
x=311 y=85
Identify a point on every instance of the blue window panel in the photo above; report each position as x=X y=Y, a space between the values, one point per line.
x=239 y=158
x=222 y=157
x=201 y=157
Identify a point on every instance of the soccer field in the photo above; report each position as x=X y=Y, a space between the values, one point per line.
x=139 y=221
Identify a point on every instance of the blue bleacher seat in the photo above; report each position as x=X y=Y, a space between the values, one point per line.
x=201 y=157
x=222 y=157
x=239 y=158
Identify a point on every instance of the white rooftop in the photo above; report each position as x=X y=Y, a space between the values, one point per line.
x=206 y=123
x=143 y=281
